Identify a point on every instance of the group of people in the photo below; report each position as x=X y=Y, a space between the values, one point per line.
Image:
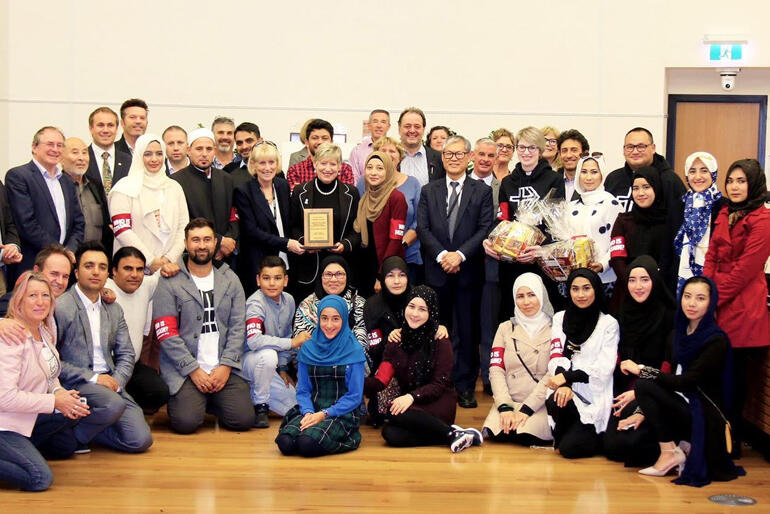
x=172 y=270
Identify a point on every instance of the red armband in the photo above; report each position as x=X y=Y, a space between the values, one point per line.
x=397 y=229
x=234 y=214
x=557 y=348
x=665 y=367
x=254 y=327
x=375 y=337
x=618 y=247
x=121 y=223
x=165 y=327
x=385 y=372
x=497 y=358
x=502 y=212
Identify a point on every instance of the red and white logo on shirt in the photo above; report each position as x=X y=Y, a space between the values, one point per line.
x=618 y=247
x=397 y=229
x=234 y=214
x=121 y=223
x=254 y=327
x=557 y=348
x=502 y=212
x=497 y=357
x=165 y=327
x=375 y=337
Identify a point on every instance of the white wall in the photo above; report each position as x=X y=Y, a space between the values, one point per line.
x=596 y=65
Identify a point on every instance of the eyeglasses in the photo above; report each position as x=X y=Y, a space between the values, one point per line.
x=454 y=155
x=641 y=147
x=523 y=149
x=504 y=148
x=550 y=141
x=336 y=276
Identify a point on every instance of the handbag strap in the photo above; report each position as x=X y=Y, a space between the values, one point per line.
x=516 y=348
x=714 y=405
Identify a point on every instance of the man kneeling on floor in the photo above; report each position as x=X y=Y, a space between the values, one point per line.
x=199 y=320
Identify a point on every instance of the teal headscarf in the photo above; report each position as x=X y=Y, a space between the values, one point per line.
x=342 y=349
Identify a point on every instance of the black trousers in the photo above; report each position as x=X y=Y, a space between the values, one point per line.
x=147 y=388
x=571 y=437
x=520 y=439
x=302 y=445
x=416 y=428
x=742 y=357
x=637 y=448
x=665 y=411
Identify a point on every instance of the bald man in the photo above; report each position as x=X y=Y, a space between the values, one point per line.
x=74 y=162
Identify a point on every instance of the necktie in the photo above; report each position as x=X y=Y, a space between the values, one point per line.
x=452 y=209
x=106 y=172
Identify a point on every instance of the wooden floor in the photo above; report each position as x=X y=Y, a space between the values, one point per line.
x=219 y=471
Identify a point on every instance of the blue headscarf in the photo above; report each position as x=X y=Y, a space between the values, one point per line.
x=342 y=349
x=697 y=210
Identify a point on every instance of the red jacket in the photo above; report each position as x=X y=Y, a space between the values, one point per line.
x=736 y=261
x=389 y=228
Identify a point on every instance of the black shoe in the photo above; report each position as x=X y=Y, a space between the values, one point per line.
x=466 y=400
x=261 y=420
x=488 y=389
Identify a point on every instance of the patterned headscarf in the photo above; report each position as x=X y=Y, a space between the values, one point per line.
x=423 y=338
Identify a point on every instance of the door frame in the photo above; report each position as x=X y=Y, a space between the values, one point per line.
x=674 y=100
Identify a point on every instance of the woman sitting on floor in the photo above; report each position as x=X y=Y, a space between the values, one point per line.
x=330 y=382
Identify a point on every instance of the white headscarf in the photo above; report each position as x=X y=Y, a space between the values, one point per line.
x=595 y=196
x=138 y=175
x=533 y=325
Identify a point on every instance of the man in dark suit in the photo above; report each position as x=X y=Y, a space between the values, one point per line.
x=106 y=164
x=209 y=191
x=246 y=138
x=423 y=163
x=10 y=245
x=133 y=120
x=453 y=217
x=44 y=201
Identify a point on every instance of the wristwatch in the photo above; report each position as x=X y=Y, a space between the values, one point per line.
x=326 y=413
x=404 y=244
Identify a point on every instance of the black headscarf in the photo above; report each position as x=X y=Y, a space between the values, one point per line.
x=396 y=303
x=757 y=183
x=645 y=327
x=332 y=259
x=655 y=213
x=579 y=323
x=688 y=347
x=422 y=338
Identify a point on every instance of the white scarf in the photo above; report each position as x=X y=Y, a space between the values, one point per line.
x=533 y=325
x=138 y=175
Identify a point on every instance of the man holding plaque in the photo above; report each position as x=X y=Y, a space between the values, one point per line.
x=453 y=217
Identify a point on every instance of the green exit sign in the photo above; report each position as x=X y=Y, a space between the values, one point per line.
x=725 y=53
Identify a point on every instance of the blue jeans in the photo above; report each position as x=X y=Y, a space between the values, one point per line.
x=116 y=421
x=21 y=462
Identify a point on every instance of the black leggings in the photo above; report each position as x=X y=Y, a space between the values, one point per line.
x=571 y=437
x=520 y=439
x=416 y=428
x=302 y=445
x=637 y=448
x=665 y=411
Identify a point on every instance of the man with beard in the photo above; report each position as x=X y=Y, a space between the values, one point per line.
x=199 y=318
x=223 y=129
x=246 y=138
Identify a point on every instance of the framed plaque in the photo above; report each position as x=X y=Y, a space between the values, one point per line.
x=319 y=229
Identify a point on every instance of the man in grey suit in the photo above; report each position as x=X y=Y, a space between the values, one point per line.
x=200 y=320
x=97 y=357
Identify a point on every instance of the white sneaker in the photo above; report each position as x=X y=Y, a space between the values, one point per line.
x=461 y=441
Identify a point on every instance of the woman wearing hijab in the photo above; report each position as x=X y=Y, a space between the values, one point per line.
x=148 y=209
x=702 y=203
x=646 y=324
x=643 y=231
x=584 y=346
x=330 y=382
x=735 y=261
x=518 y=362
x=334 y=279
x=594 y=213
x=686 y=407
x=381 y=220
x=419 y=370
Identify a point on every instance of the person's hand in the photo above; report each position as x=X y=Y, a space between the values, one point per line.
x=563 y=395
x=634 y=420
x=529 y=254
x=219 y=255
x=621 y=400
x=377 y=286
x=394 y=336
x=108 y=296
x=68 y=403
x=489 y=249
x=556 y=381
x=300 y=339
x=441 y=333
x=169 y=269
x=219 y=377
x=294 y=247
x=629 y=366
x=11 y=254
x=108 y=382
x=11 y=331
x=337 y=248
x=201 y=380
x=310 y=419
x=595 y=266
x=227 y=246
x=451 y=261
x=506 y=421
x=519 y=418
x=286 y=378
x=155 y=265
x=401 y=404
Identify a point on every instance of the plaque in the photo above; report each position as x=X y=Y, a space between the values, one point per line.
x=319 y=229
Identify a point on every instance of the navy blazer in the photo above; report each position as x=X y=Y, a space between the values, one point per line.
x=121 y=167
x=122 y=146
x=258 y=228
x=435 y=164
x=474 y=221
x=35 y=213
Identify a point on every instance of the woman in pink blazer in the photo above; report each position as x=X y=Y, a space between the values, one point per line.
x=37 y=415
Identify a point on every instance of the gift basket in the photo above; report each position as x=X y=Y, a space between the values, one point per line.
x=510 y=238
x=569 y=251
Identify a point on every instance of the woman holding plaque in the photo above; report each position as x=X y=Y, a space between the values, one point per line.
x=325 y=191
x=381 y=221
x=263 y=211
